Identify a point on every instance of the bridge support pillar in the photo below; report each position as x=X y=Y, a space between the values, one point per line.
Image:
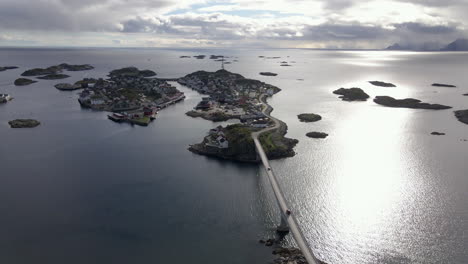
x=283 y=227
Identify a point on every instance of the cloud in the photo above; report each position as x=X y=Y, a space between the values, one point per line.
x=315 y=23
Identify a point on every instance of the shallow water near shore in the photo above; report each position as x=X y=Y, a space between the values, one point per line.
x=380 y=189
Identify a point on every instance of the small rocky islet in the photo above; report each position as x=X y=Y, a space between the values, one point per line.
x=55 y=76
x=24 y=82
x=462 y=116
x=24 y=123
x=352 y=94
x=309 y=117
x=268 y=73
x=407 y=103
x=382 y=84
x=317 y=135
x=5 y=68
x=444 y=85
x=435 y=133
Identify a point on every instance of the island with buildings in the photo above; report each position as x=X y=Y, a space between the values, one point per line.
x=5 y=98
x=232 y=96
x=128 y=93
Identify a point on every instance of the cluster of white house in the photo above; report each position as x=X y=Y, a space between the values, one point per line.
x=216 y=138
x=5 y=98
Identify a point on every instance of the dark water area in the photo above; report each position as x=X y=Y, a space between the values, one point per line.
x=380 y=189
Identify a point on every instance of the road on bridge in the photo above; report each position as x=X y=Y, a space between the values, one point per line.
x=290 y=219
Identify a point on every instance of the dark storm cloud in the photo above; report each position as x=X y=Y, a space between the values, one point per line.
x=426 y=29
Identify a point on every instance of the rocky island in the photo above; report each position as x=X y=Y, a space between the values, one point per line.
x=307 y=118
x=4 y=68
x=129 y=94
x=24 y=81
x=5 y=98
x=229 y=96
x=24 y=123
x=55 y=76
x=85 y=83
x=352 y=94
x=382 y=84
x=407 y=103
x=462 y=116
x=317 y=135
x=268 y=74
x=435 y=133
x=443 y=85
x=52 y=70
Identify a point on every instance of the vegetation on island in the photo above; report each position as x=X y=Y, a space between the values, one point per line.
x=56 y=69
x=307 y=118
x=24 y=81
x=352 y=94
x=24 y=123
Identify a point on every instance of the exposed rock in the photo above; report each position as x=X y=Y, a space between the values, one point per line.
x=309 y=117
x=68 y=86
x=200 y=57
x=465 y=94
x=317 y=135
x=268 y=74
x=443 y=85
x=57 y=76
x=7 y=68
x=352 y=94
x=462 y=116
x=185 y=57
x=24 y=123
x=24 y=81
x=382 y=84
x=407 y=103
x=437 y=133
x=70 y=67
x=285 y=65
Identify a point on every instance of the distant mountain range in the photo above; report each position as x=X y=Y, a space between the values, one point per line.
x=457 y=45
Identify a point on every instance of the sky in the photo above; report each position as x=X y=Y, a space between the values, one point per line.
x=341 y=24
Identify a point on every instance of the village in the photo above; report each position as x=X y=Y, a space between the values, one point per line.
x=130 y=94
x=228 y=96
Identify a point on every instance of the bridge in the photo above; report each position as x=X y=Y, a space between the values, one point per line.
x=288 y=220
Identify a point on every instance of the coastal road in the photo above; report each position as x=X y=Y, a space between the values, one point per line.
x=290 y=219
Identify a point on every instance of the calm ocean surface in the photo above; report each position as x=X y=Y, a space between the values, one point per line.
x=380 y=189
